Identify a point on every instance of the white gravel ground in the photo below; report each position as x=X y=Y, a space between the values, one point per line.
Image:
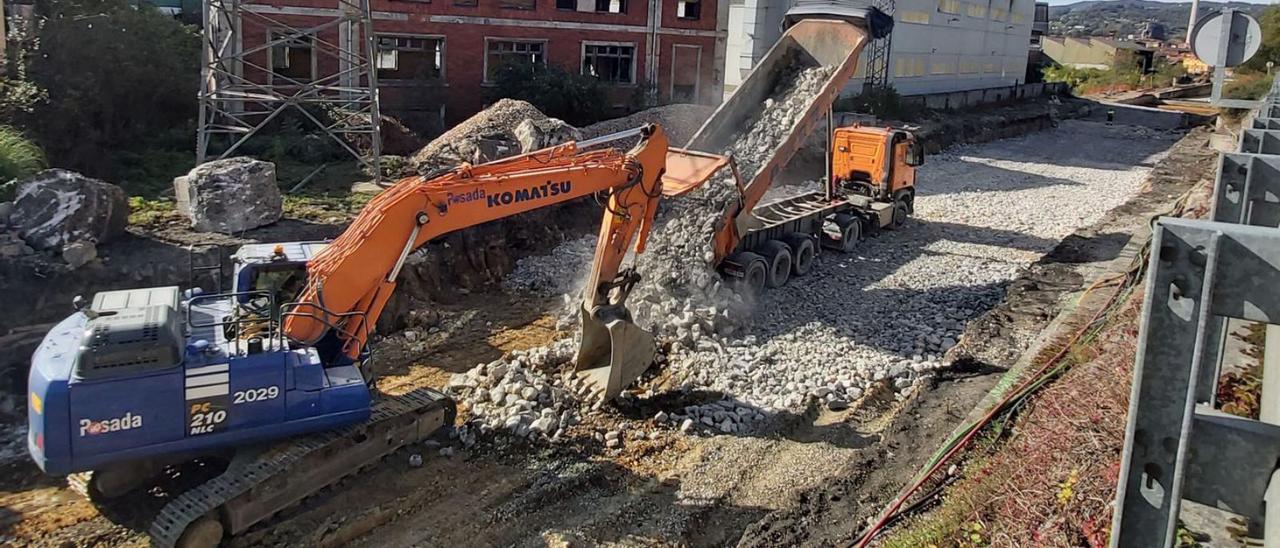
x=893 y=307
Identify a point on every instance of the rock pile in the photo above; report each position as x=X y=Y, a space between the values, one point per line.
x=516 y=395
x=680 y=295
x=887 y=313
x=229 y=196
x=724 y=416
x=679 y=121
x=462 y=142
x=539 y=134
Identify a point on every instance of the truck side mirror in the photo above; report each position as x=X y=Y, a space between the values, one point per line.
x=915 y=154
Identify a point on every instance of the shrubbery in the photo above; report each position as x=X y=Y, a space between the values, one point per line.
x=98 y=83
x=1126 y=75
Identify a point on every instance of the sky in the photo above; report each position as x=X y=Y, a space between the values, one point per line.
x=1061 y=2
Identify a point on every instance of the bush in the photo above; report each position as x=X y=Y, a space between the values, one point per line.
x=107 y=77
x=19 y=157
x=1247 y=85
x=1125 y=76
x=575 y=98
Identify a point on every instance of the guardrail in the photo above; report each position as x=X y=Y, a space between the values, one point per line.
x=1202 y=272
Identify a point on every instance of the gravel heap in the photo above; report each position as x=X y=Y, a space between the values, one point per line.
x=679 y=121
x=545 y=274
x=515 y=394
x=680 y=295
x=889 y=311
x=678 y=282
x=460 y=143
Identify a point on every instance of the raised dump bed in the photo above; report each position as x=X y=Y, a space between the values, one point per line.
x=764 y=244
x=834 y=44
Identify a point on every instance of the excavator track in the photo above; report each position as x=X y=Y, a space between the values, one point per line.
x=257 y=484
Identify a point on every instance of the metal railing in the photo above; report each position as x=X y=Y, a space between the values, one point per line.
x=1178 y=446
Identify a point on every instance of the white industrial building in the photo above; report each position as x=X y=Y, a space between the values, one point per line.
x=936 y=45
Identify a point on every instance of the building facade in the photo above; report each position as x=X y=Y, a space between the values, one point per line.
x=936 y=45
x=436 y=58
x=1097 y=53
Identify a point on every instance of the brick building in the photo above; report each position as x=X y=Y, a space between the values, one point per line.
x=436 y=56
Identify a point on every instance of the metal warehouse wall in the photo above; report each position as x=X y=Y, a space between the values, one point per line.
x=938 y=45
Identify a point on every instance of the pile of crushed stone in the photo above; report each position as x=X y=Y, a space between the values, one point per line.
x=681 y=298
x=461 y=143
x=516 y=394
x=679 y=121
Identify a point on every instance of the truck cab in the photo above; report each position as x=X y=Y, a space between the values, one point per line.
x=879 y=162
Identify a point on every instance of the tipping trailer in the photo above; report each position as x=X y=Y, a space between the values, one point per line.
x=870 y=180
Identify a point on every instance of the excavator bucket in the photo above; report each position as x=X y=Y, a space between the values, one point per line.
x=614 y=350
x=689 y=169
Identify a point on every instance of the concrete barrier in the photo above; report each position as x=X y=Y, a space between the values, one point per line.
x=952 y=100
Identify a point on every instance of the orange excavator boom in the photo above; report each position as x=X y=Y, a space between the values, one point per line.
x=350 y=282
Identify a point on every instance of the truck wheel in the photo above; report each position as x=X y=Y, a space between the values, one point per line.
x=778 y=257
x=848 y=232
x=205 y=532
x=803 y=252
x=900 y=213
x=754 y=272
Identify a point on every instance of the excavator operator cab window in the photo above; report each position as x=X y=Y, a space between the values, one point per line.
x=283 y=281
x=915 y=154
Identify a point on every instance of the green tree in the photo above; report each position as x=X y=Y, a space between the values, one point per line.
x=1269 y=20
x=575 y=98
x=113 y=78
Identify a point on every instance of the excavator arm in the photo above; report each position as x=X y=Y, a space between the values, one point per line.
x=614 y=351
x=350 y=282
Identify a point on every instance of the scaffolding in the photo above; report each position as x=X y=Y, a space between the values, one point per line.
x=877 y=75
x=259 y=63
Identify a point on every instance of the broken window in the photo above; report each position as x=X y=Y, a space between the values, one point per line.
x=611 y=6
x=410 y=58
x=518 y=4
x=566 y=4
x=291 y=58
x=501 y=52
x=688 y=9
x=613 y=63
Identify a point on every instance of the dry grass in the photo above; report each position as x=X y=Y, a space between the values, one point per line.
x=1049 y=481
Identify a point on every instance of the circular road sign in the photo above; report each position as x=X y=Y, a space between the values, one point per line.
x=1226 y=38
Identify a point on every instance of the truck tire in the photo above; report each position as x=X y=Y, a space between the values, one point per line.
x=777 y=256
x=848 y=232
x=754 y=272
x=900 y=214
x=803 y=252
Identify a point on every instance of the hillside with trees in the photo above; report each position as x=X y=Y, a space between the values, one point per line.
x=1121 y=18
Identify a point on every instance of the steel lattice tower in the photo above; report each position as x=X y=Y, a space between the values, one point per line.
x=877 y=75
x=242 y=90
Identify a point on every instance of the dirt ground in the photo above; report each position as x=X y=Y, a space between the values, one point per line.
x=811 y=478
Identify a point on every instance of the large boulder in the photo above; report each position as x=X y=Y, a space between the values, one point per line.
x=57 y=207
x=533 y=134
x=229 y=196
